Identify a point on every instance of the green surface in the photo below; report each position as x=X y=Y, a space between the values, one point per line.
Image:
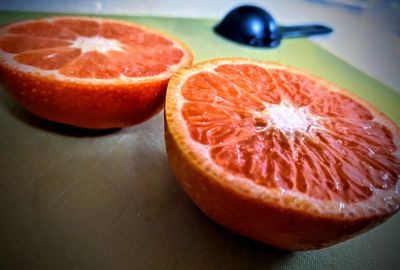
x=73 y=199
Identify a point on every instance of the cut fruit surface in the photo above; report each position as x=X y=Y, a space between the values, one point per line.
x=88 y=72
x=280 y=155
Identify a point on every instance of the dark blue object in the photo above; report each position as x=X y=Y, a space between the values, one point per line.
x=254 y=26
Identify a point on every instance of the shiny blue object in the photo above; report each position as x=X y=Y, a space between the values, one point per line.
x=254 y=26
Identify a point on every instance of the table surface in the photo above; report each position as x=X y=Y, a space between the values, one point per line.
x=81 y=199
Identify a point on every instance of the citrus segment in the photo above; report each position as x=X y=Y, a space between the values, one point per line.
x=283 y=138
x=211 y=88
x=20 y=44
x=337 y=105
x=85 y=55
x=251 y=79
x=43 y=29
x=50 y=59
x=212 y=125
x=133 y=35
x=91 y=65
x=79 y=27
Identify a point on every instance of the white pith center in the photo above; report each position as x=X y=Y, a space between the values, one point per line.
x=97 y=44
x=290 y=119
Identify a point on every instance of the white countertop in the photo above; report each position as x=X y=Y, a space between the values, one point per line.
x=366 y=32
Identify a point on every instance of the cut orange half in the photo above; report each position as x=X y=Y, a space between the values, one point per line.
x=88 y=72
x=279 y=155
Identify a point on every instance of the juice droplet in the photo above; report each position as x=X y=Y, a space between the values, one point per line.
x=342 y=206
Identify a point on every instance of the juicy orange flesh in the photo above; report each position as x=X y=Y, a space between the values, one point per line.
x=341 y=154
x=48 y=45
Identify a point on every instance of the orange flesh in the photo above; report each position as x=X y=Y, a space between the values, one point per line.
x=283 y=130
x=50 y=46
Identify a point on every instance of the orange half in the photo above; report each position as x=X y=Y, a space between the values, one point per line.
x=88 y=72
x=280 y=155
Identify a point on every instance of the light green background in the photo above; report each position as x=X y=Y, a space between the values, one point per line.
x=79 y=199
